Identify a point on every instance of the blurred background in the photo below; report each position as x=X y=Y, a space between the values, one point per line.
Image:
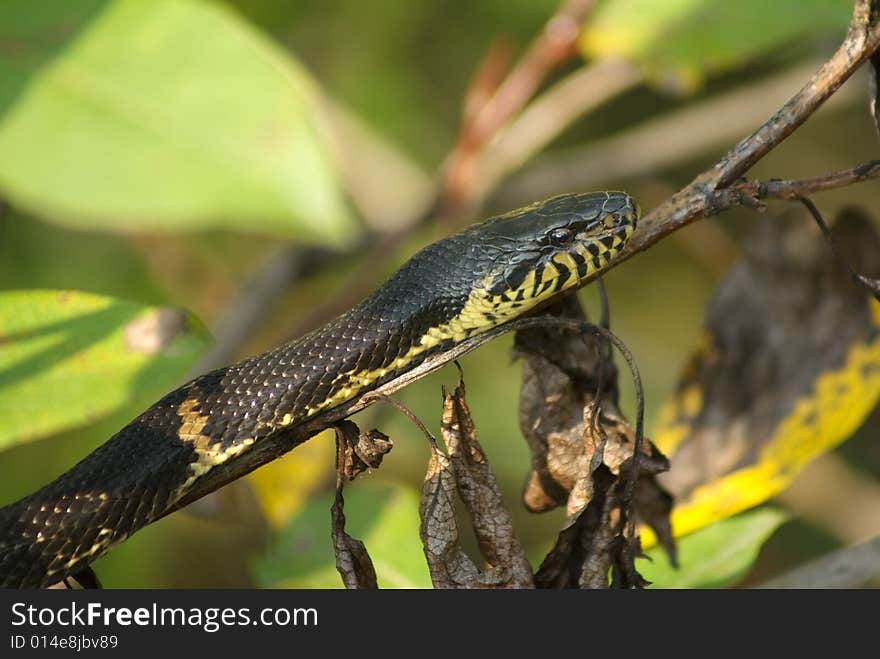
x=263 y=164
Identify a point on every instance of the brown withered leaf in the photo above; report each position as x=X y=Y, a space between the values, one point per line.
x=481 y=495
x=352 y=560
x=592 y=543
x=653 y=504
x=449 y=565
x=559 y=378
x=576 y=441
x=624 y=553
x=788 y=369
x=361 y=451
x=581 y=556
x=355 y=452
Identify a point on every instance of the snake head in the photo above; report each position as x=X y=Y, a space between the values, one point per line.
x=553 y=245
x=500 y=268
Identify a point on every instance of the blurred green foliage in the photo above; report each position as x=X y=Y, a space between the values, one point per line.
x=680 y=42
x=157 y=151
x=166 y=128
x=716 y=556
x=383 y=516
x=89 y=355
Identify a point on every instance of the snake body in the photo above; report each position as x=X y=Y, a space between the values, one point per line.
x=460 y=286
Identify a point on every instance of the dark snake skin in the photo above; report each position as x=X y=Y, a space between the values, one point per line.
x=146 y=469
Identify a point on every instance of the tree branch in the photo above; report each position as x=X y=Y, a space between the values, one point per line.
x=554 y=45
x=659 y=142
x=713 y=191
x=706 y=194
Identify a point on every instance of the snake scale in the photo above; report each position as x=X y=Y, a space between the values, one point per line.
x=453 y=289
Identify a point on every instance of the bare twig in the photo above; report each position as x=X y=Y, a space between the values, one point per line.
x=548 y=116
x=750 y=193
x=371 y=397
x=555 y=45
x=485 y=113
x=659 y=142
x=793 y=189
x=872 y=285
x=699 y=198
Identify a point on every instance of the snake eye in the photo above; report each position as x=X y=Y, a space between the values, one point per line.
x=560 y=236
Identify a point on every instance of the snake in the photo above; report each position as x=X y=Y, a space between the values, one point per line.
x=196 y=437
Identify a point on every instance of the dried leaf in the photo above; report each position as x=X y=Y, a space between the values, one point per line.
x=450 y=567
x=790 y=367
x=481 y=496
x=575 y=441
x=559 y=378
x=361 y=451
x=581 y=557
x=654 y=506
x=352 y=560
x=623 y=563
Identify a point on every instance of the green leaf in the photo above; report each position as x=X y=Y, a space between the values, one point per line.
x=68 y=358
x=682 y=41
x=715 y=556
x=124 y=115
x=384 y=516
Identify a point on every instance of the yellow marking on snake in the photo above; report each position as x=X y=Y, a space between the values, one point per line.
x=210 y=452
x=483 y=311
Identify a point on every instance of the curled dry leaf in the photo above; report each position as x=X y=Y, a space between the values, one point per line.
x=789 y=368
x=466 y=471
x=625 y=551
x=559 y=376
x=352 y=560
x=355 y=452
x=449 y=565
x=574 y=438
x=361 y=451
x=481 y=495
x=581 y=556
